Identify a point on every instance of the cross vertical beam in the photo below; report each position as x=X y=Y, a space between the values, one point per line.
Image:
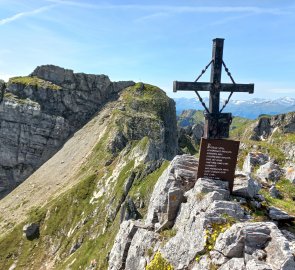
x=217 y=53
x=216 y=123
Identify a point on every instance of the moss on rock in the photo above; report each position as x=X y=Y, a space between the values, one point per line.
x=34 y=81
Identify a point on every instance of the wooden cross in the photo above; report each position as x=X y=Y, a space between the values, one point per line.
x=216 y=123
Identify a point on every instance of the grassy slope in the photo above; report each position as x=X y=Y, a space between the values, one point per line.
x=76 y=216
x=273 y=147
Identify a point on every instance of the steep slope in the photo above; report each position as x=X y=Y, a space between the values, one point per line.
x=98 y=178
x=40 y=112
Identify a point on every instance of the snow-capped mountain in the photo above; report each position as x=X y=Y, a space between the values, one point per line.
x=251 y=108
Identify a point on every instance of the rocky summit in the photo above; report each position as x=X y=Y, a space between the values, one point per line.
x=41 y=111
x=101 y=175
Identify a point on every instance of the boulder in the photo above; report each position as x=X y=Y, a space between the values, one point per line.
x=274 y=192
x=279 y=215
x=245 y=186
x=253 y=160
x=269 y=172
x=31 y=231
x=129 y=210
x=261 y=245
x=257 y=265
x=169 y=191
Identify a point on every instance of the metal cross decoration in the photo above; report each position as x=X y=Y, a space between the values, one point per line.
x=216 y=123
x=2 y=90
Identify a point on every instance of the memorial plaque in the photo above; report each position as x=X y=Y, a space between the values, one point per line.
x=218 y=159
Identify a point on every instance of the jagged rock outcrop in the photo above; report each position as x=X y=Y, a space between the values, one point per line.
x=209 y=231
x=82 y=193
x=254 y=159
x=269 y=172
x=265 y=126
x=245 y=186
x=41 y=111
x=169 y=191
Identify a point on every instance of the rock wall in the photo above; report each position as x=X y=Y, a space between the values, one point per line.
x=41 y=111
x=265 y=126
x=207 y=229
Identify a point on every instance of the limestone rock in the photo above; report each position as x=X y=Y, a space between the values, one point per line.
x=254 y=159
x=279 y=215
x=269 y=172
x=261 y=245
x=244 y=245
x=129 y=210
x=290 y=173
x=143 y=245
x=119 y=252
x=274 y=192
x=257 y=265
x=40 y=112
x=245 y=186
x=262 y=130
x=205 y=205
x=265 y=126
x=169 y=191
x=234 y=264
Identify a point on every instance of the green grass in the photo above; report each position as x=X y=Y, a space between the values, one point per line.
x=286 y=203
x=190 y=117
x=71 y=217
x=35 y=82
x=239 y=126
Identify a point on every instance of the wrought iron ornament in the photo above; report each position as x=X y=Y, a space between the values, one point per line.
x=216 y=123
x=2 y=91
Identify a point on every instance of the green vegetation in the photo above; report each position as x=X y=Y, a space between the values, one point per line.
x=35 y=82
x=147 y=99
x=159 y=263
x=80 y=218
x=190 y=117
x=287 y=190
x=239 y=126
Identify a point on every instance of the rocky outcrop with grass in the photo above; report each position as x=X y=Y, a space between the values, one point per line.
x=198 y=224
x=41 y=111
x=78 y=208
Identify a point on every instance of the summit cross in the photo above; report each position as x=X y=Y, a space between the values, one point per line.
x=216 y=123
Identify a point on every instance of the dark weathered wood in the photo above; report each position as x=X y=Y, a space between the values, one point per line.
x=203 y=86
x=216 y=123
x=218 y=159
x=216 y=68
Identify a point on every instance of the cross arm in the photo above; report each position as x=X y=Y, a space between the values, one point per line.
x=202 y=86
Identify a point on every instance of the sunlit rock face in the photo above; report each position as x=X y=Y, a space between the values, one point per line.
x=41 y=111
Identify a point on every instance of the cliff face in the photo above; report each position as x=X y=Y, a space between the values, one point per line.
x=40 y=112
x=104 y=174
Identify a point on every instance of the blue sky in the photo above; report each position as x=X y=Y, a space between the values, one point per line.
x=153 y=41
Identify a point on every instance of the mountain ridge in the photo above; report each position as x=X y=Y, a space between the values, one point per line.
x=251 y=108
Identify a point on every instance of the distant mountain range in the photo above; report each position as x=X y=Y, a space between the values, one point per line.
x=251 y=108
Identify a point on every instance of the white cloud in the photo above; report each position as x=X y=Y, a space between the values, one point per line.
x=25 y=14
